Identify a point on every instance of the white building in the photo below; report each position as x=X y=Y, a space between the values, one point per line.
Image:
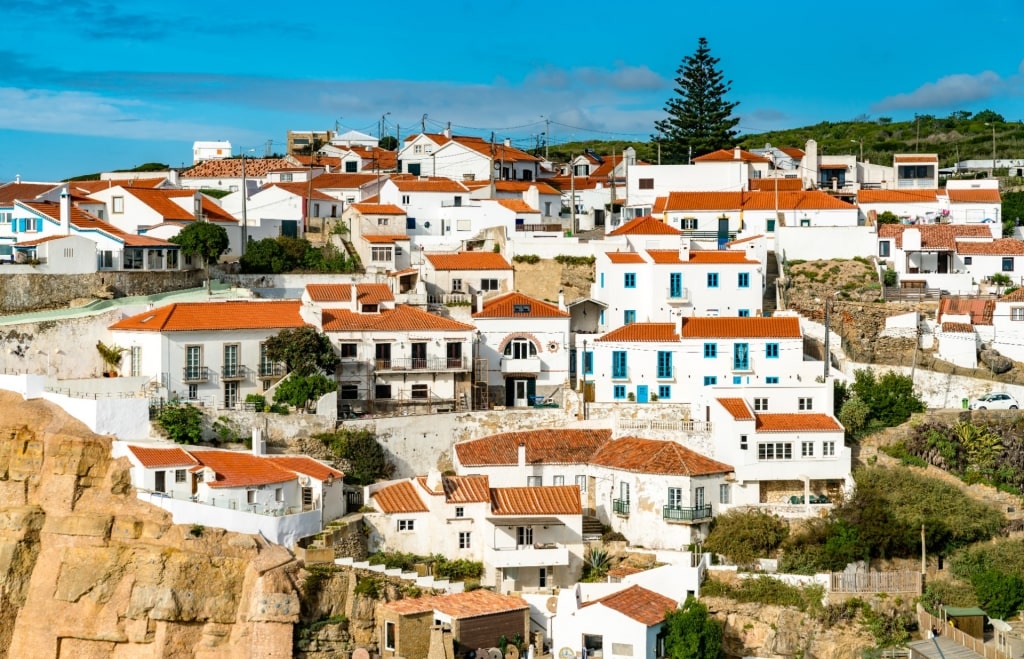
x=951 y=257
x=466 y=274
x=210 y=151
x=424 y=202
x=626 y=623
x=466 y=158
x=1008 y=326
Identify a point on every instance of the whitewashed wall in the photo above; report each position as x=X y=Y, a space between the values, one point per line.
x=816 y=242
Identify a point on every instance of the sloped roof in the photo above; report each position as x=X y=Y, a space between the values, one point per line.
x=160 y=200
x=655 y=456
x=942 y=236
x=517 y=206
x=92 y=187
x=929 y=196
x=792 y=152
x=740 y=241
x=302 y=190
x=154 y=458
x=459 y=606
x=720 y=256
x=469 y=261
x=958 y=328
x=9 y=192
x=543 y=446
x=365 y=293
x=801 y=422
x=343 y=181
x=979 y=311
x=636 y=602
x=773 y=184
x=504 y=306
x=498 y=151
x=378 y=209
x=401 y=318
x=915 y=157
x=1013 y=296
x=232 y=168
x=382 y=238
x=302 y=464
x=625 y=257
x=543 y=187
x=763 y=201
x=998 y=247
x=466 y=489
x=227 y=315
x=241 y=469
x=434 y=184
x=738 y=328
x=725 y=155
x=646 y=226
x=738 y=408
x=548 y=500
x=973 y=195
x=84 y=221
x=400 y=497
x=659 y=332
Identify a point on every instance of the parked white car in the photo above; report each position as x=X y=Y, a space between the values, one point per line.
x=995 y=401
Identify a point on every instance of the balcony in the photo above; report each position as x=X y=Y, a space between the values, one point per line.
x=620 y=507
x=677 y=296
x=194 y=374
x=421 y=364
x=693 y=515
x=742 y=365
x=270 y=371
x=527 y=555
x=235 y=372
x=530 y=366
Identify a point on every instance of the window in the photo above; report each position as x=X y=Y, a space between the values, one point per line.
x=406 y=525
x=628 y=316
x=771 y=350
x=519 y=349
x=348 y=391
x=1016 y=313
x=806 y=449
x=5 y=217
x=710 y=380
x=558 y=480
x=348 y=350
x=581 y=482
x=117 y=204
x=521 y=308
x=286 y=178
x=771 y=379
x=647 y=184
x=464 y=539
x=760 y=404
x=172 y=259
x=417 y=149
x=179 y=475
x=488 y=284
x=250 y=496
x=744 y=280
x=712 y=280
x=600 y=317
x=806 y=404
x=542 y=577
x=775 y=451
x=351 y=166
x=1007 y=264
x=381 y=254
x=460 y=511
x=675 y=497
x=619 y=392
x=602 y=280
x=193 y=392
x=456 y=285
x=420 y=391
x=664 y=392
x=382 y=391
x=828 y=449
x=382 y=221
x=588 y=362
x=664 y=364
x=743 y=442
x=883 y=249
x=619 y=367
x=968 y=260
x=723 y=493
x=740 y=356
x=744 y=313
x=675 y=284
x=533 y=481
x=389 y=627
x=630 y=280
x=278 y=494
x=710 y=350
x=805 y=221
x=689 y=224
x=410 y=223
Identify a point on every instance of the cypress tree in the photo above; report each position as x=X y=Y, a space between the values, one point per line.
x=699 y=117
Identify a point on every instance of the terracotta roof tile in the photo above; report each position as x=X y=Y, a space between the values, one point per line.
x=546 y=500
x=958 y=328
x=646 y=226
x=743 y=240
x=915 y=157
x=543 y=187
x=406 y=184
x=161 y=201
x=1013 y=296
x=86 y=222
x=792 y=152
x=301 y=190
x=773 y=184
x=365 y=293
x=665 y=256
x=384 y=237
x=660 y=332
x=459 y=606
x=980 y=311
x=971 y=195
x=10 y=192
x=378 y=209
x=504 y=306
x=998 y=247
x=796 y=423
x=302 y=464
x=624 y=571
x=724 y=155
x=469 y=261
x=645 y=606
x=241 y=469
x=739 y=328
x=738 y=408
x=154 y=458
x=343 y=181
x=466 y=489
x=942 y=236
x=720 y=256
x=400 y=497
x=38 y=241
x=232 y=168
x=655 y=456
x=401 y=318
x=517 y=206
x=545 y=446
x=762 y=201
x=230 y=315
x=625 y=257
x=897 y=196
x=499 y=152
x=92 y=187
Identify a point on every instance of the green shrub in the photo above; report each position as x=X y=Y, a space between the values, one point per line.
x=298 y=390
x=368 y=587
x=939 y=593
x=568 y=260
x=746 y=535
x=183 y=423
x=526 y=258
x=258 y=402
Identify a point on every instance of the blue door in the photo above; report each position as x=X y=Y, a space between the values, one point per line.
x=641 y=393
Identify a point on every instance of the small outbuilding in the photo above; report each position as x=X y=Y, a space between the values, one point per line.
x=969 y=620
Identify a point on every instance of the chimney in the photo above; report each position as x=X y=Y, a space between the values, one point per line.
x=479 y=306
x=522 y=455
x=508 y=141
x=448 y=132
x=65 y=212
x=259 y=443
x=684 y=249
x=17 y=178
x=312 y=315
x=736 y=153
x=434 y=480
x=353 y=301
x=561 y=299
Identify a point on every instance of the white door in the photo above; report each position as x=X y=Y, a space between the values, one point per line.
x=520 y=397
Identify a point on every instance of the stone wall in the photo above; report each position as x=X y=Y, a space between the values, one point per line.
x=543 y=279
x=63 y=347
x=20 y=293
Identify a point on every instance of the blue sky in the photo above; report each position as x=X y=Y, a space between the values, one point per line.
x=94 y=85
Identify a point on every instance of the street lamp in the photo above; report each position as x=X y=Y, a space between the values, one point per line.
x=861 y=142
x=992 y=171
x=245 y=197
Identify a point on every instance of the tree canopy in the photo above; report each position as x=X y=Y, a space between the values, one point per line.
x=303 y=350
x=699 y=117
x=691 y=633
x=204 y=239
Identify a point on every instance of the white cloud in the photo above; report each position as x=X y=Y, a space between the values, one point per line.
x=949 y=91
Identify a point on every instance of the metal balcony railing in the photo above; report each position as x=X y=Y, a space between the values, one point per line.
x=191 y=374
x=692 y=514
x=236 y=372
x=422 y=364
x=620 y=506
x=268 y=370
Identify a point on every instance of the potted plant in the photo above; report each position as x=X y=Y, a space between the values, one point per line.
x=111 y=356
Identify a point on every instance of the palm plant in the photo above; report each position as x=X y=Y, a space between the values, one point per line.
x=111 y=355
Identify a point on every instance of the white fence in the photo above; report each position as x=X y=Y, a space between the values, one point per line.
x=412 y=577
x=811 y=243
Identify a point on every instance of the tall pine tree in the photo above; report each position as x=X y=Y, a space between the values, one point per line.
x=699 y=117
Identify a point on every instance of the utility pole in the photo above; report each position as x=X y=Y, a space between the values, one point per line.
x=423 y=124
x=924 y=556
x=828 y=330
x=611 y=213
x=547 y=137
x=245 y=197
x=572 y=196
x=917 y=343
x=491 y=167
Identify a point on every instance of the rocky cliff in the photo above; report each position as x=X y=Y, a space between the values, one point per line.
x=87 y=570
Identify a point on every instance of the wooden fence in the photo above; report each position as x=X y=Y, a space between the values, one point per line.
x=875 y=582
x=911 y=294
x=926 y=621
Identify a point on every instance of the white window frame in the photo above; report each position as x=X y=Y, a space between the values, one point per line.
x=805 y=404
x=581 y=482
x=806 y=449
x=760 y=404
x=828 y=449
x=406 y=525
x=675 y=498
x=465 y=540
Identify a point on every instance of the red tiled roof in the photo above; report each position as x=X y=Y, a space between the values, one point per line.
x=795 y=423
x=238 y=469
x=660 y=332
x=720 y=256
x=229 y=315
x=301 y=464
x=232 y=168
x=160 y=201
x=972 y=195
x=665 y=256
x=624 y=257
x=915 y=157
x=91 y=187
x=86 y=222
x=378 y=209
x=740 y=328
x=499 y=152
x=958 y=328
x=833 y=165
x=154 y=458
x=343 y=181
x=655 y=456
x=400 y=497
x=998 y=247
x=743 y=240
x=365 y=293
x=469 y=261
x=466 y=489
x=459 y=606
x=546 y=500
x=544 y=446
x=517 y=206
x=762 y=201
x=401 y=318
x=39 y=241
x=302 y=190
x=9 y=192
x=979 y=311
x=737 y=407
x=645 y=606
x=520 y=186
x=935 y=235
x=504 y=306
x=624 y=571
x=646 y=226
x=406 y=184
x=724 y=155
x=1013 y=296
x=792 y=152
x=384 y=237
x=897 y=196
x=773 y=184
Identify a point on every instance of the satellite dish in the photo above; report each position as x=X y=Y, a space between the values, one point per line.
x=495 y=653
x=511 y=652
x=552 y=605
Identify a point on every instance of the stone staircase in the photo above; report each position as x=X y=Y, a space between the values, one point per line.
x=592 y=527
x=412 y=577
x=771 y=274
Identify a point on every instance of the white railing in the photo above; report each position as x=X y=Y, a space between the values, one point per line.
x=683 y=426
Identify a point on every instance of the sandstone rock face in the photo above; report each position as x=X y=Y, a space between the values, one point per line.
x=87 y=570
